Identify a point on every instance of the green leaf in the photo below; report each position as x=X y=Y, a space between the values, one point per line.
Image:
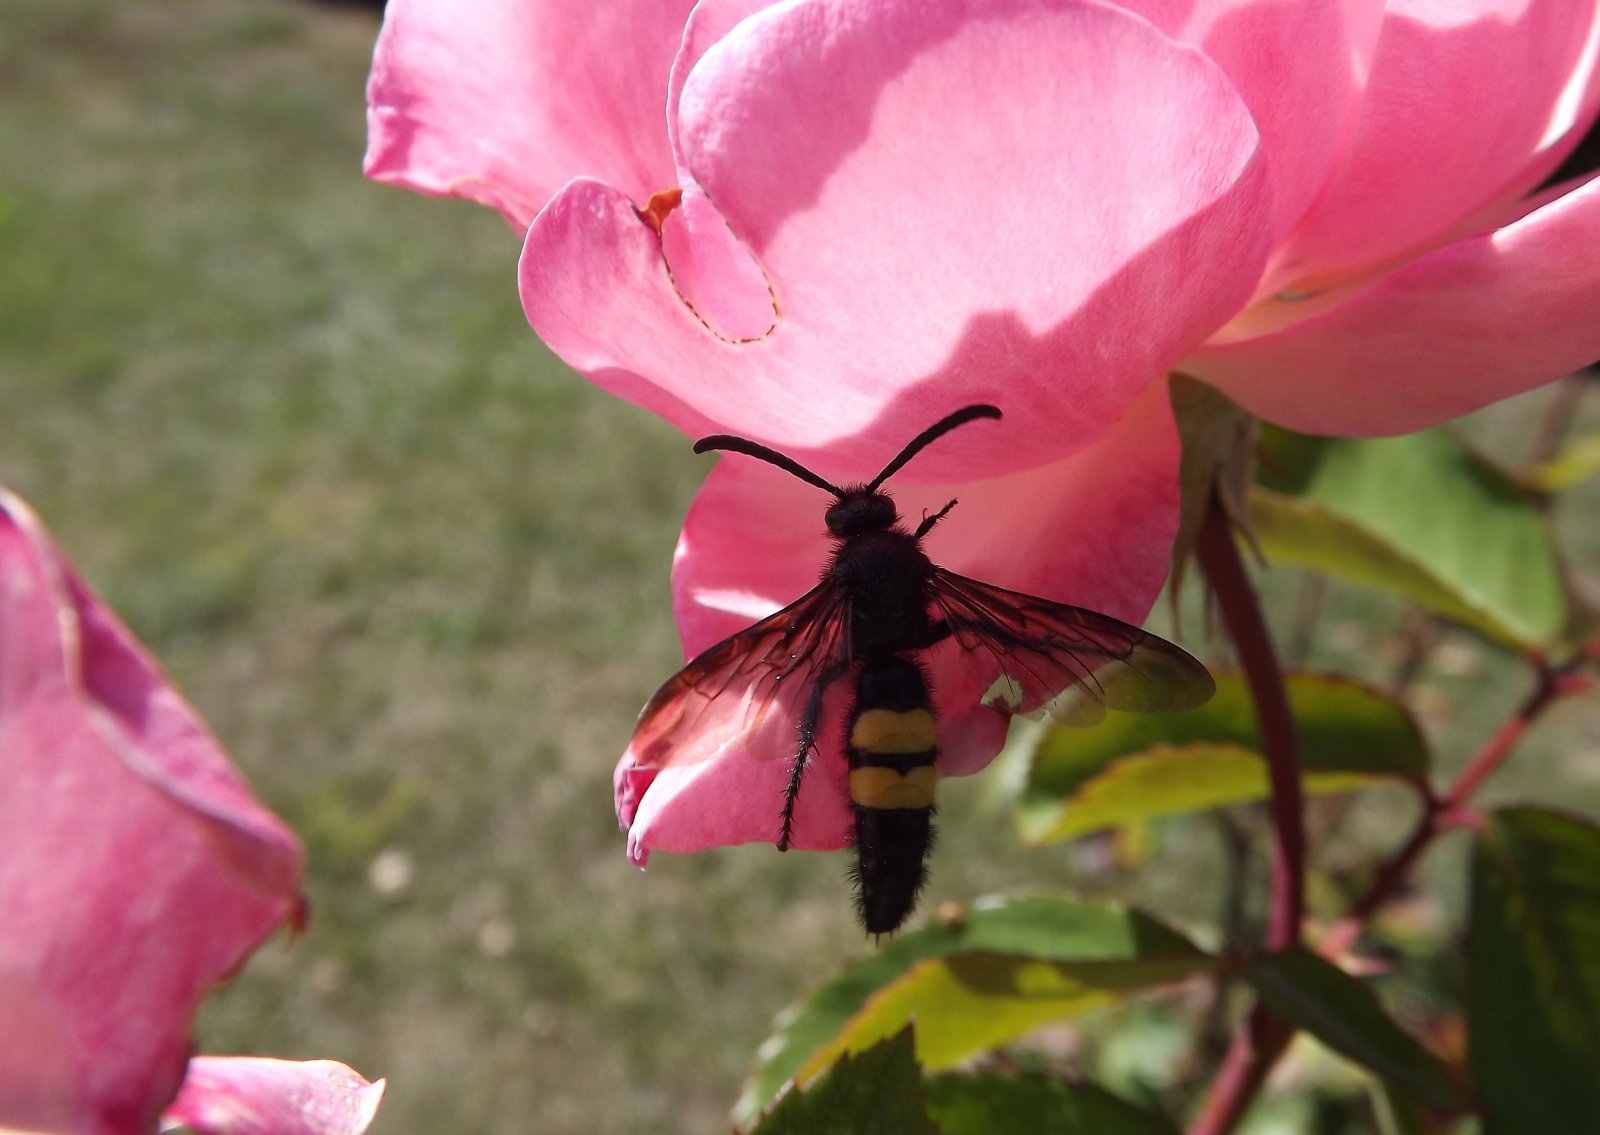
x=1137 y=766
x=1533 y=993
x=1003 y=969
x=991 y=1104
x=1419 y=516
x=1344 y=1014
x=878 y=1090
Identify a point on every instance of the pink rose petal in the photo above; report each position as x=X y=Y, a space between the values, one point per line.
x=1462 y=95
x=714 y=273
x=859 y=171
x=137 y=872
x=504 y=101
x=1300 y=68
x=1476 y=321
x=708 y=22
x=241 y=1095
x=738 y=799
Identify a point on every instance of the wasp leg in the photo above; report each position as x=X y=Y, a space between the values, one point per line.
x=929 y=521
x=807 y=736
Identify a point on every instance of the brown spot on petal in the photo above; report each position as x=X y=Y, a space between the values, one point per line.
x=656 y=209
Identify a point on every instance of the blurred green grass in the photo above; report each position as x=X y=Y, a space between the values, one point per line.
x=414 y=574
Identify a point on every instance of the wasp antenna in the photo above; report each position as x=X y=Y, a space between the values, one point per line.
x=761 y=453
x=943 y=426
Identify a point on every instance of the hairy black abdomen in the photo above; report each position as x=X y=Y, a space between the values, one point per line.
x=892 y=846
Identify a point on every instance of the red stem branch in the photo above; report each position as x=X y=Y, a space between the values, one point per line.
x=1262 y=1036
x=1441 y=813
x=1261 y=1039
x=1280 y=743
x=1551 y=685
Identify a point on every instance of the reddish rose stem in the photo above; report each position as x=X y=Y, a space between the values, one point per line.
x=1551 y=686
x=1262 y=1036
x=1280 y=742
x=1261 y=1039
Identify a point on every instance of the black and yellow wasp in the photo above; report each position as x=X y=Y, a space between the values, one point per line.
x=880 y=605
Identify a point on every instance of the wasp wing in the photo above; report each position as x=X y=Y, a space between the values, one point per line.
x=1069 y=662
x=758 y=678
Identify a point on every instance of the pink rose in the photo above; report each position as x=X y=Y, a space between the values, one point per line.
x=138 y=871
x=824 y=224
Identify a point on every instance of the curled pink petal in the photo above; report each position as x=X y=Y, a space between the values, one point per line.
x=591 y=253
x=713 y=273
x=245 y=1095
x=857 y=168
x=1462 y=95
x=1301 y=69
x=708 y=22
x=738 y=799
x=1476 y=321
x=137 y=872
x=629 y=782
x=504 y=101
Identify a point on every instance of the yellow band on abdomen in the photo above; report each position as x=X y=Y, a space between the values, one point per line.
x=887 y=733
x=876 y=787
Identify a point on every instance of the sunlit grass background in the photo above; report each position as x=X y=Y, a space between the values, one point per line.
x=414 y=574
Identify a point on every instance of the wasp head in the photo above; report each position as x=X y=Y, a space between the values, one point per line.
x=860 y=509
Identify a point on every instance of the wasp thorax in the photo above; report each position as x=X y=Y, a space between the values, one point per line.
x=858 y=511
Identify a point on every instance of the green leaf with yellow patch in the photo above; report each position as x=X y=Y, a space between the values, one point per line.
x=874 y=1091
x=985 y=978
x=1134 y=767
x=1419 y=516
